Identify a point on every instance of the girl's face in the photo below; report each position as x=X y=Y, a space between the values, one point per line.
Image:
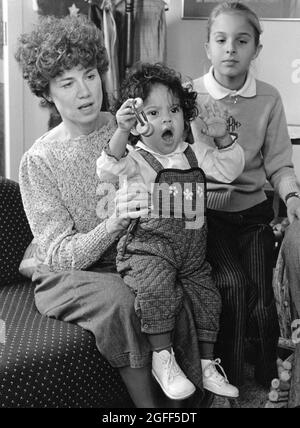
x=163 y=111
x=77 y=95
x=231 y=49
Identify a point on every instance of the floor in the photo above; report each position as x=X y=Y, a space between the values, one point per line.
x=252 y=395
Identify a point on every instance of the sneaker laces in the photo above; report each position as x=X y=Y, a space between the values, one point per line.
x=172 y=367
x=212 y=366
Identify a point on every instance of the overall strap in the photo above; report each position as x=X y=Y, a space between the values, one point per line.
x=191 y=157
x=152 y=161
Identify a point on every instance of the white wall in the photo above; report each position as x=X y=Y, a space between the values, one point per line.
x=35 y=117
x=185 y=42
x=1 y=71
x=278 y=63
x=24 y=119
x=296 y=160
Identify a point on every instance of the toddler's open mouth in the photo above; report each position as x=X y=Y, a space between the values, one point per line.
x=167 y=135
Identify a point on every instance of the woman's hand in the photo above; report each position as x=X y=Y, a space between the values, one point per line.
x=125 y=116
x=293 y=209
x=130 y=202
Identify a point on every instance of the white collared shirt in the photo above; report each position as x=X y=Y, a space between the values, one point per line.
x=218 y=92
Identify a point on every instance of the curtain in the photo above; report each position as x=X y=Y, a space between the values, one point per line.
x=111 y=78
x=150 y=31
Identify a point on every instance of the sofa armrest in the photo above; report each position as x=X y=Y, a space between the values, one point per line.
x=15 y=233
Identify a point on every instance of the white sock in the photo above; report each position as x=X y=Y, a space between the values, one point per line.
x=168 y=348
x=205 y=363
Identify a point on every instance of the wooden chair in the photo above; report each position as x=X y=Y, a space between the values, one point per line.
x=289 y=323
x=289 y=319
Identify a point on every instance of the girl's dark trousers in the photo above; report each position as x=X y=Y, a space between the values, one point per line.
x=241 y=253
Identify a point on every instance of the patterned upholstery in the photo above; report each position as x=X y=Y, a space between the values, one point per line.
x=43 y=362
x=49 y=363
x=15 y=234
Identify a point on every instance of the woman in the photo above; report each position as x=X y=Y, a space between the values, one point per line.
x=76 y=280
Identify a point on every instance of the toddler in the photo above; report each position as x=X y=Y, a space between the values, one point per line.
x=163 y=257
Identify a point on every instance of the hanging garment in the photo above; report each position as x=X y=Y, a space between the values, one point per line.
x=95 y=15
x=150 y=31
x=111 y=77
x=149 y=41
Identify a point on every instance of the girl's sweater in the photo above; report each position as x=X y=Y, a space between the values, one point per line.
x=257 y=120
x=60 y=191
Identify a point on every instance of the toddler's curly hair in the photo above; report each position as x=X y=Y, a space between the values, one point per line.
x=141 y=79
x=56 y=45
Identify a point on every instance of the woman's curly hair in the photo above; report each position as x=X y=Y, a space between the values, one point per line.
x=56 y=45
x=143 y=76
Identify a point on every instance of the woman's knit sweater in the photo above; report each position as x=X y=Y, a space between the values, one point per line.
x=60 y=191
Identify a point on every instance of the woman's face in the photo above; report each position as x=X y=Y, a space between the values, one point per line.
x=77 y=95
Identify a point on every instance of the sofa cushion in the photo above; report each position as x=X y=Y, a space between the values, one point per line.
x=15 y=233
x=50 y=363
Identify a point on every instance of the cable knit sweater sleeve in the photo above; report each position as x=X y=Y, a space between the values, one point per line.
x=60 y=244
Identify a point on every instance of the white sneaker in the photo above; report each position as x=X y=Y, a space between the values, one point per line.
x=170 y=377
x=217 y=383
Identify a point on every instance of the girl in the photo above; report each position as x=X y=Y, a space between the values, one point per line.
x=165 y=255
x=240 y=240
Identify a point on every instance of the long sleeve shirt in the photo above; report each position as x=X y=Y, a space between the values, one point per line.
x=224 y=165
x=60 y=192
x=257 y=119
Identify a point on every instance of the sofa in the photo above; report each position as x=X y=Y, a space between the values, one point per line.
x=44 y=363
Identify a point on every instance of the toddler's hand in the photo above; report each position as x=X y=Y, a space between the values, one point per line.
x=214 y=121
x=125 y=116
